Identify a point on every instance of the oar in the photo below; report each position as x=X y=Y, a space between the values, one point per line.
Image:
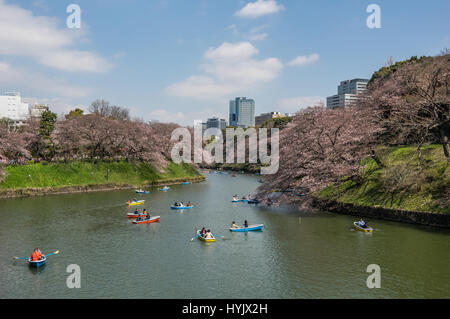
x=223 y=237
x=21 y=258
x=192 y=239
x=54 y=253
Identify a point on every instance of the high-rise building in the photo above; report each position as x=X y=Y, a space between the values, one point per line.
x=215 y=122
x=242 y=112
x=233 y=119
x=348 y=93
x=12 y=107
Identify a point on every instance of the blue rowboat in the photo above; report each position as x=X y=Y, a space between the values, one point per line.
x=249 y=228
x=164 y=189
x=185 y=183
x=38 y=263
x=142 y=192
x=240 y=201
x=181 y=207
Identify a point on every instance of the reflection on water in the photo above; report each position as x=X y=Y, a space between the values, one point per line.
x=298 y=255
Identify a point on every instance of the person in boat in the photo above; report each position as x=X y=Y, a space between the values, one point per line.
x=208 y=234
x=147 y=214
x=234 y=225
x=245 y=224
x=36 y=255
x=181 y=204
x=235 y=197
x=136 y=212
x=138 y=219
x=189 y=204
x=362 y=223
x=203 y=232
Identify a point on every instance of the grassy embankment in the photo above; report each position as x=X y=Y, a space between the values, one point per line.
x=399 y=184
x=59 y=175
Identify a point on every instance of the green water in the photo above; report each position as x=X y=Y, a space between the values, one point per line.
x=297 y=255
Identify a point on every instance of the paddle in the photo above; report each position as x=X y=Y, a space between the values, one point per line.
x=21 y=258
x=192 y=239
x=54 y=253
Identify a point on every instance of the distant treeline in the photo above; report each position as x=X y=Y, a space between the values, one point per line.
x=107 y=133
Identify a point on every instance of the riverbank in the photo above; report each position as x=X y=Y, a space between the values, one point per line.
x=395 y=189
x=397 y=215
x=246 y=168
x=398 y=182
x=79 y=177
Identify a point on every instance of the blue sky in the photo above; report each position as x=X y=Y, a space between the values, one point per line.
x=178 y=60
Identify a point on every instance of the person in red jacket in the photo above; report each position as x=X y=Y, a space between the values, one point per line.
x=36 y=255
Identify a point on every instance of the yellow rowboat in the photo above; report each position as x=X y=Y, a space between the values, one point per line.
x=368 y=229
x=139 y=202
x=208 y=240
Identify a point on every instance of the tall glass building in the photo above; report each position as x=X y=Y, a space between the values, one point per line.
x=242 y=112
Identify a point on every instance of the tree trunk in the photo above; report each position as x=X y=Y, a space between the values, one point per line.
x=445 y=138
x=376 y=159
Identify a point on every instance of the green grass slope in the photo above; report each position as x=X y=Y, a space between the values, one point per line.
x=402 y=183
x=82 y=173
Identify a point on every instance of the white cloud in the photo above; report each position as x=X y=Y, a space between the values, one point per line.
x=23 y=34
x=229 y=68
x=259 y=8
x=232 y=51
x=258 y=36
x=162 y=115
x=304 y=60
x=20 y=77
x=295 y=104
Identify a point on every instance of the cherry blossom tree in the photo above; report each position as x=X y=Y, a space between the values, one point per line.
x=321 y=146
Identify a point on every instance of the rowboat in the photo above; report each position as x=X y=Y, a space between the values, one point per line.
x=153 y=219
x=164 y=189
x=368 y=229
x=139 y=202
x=181 y=207
x=249 y=228
x=208 y=240
x=133 y=215
x=143 y=192
x=38 y=263
x=185 y=183
x=253 y=201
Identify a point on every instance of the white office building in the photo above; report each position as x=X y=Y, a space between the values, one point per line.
x=348 y=93
x=12 y=107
